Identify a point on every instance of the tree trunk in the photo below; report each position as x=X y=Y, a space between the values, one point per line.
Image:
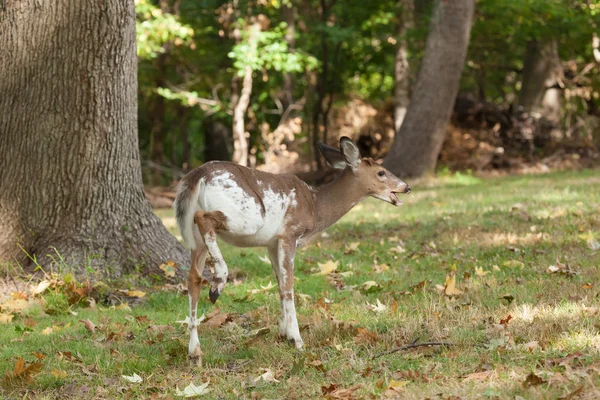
x=70 y=176
x=539 y=89
x=288 y=16
x=240 y=142
x=157 y=133
x=401 y=66
x=418 y=143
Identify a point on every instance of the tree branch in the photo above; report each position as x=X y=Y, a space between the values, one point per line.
x=411 y=346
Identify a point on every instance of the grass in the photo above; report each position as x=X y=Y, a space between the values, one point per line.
x=501 y=234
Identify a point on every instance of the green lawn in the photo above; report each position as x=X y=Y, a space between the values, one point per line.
x=516 y=330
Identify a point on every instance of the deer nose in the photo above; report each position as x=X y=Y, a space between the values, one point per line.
x=407 y=190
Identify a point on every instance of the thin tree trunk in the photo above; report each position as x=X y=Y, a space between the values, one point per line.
x=70 y=176
x=157 y=133
x=539 y=90
x=288 y=16
x=401 y=66
x=240 y=142
x=418 y=143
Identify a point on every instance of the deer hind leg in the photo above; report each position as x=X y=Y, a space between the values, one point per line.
x=209 y=224
x=194 y=283
x=273 y=256
x=286 y=251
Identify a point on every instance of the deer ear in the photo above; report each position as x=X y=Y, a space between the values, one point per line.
x=333 y=156
x=350 y=152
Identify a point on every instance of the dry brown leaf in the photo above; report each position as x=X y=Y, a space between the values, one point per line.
x=343 y=393
x=89 y=325
x=478 y=376
x=216 y=319
x=505 y=321
x=39 y=355
x=532 y=380
x=22 y=372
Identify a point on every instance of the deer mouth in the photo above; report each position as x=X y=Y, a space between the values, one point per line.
x=394 y=199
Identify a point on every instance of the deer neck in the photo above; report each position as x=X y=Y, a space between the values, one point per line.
x=335 y=199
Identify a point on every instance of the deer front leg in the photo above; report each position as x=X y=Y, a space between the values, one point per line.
x=286 y=251
x=209 y=223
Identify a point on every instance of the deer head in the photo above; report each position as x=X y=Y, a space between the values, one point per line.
x=375 y=180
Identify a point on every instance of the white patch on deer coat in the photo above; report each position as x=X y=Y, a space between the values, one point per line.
x=247 y=226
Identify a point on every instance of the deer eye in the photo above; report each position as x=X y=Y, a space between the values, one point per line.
x=381 y=173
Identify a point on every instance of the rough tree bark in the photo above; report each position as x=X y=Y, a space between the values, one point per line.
x=418 y=143
x=240 y=142
x=401 y=66
x=70 y=176
x=541 y=71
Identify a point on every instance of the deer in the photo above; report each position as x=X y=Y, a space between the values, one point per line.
x=251 y=208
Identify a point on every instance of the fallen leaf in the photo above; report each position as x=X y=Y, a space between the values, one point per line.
x=584 y=286
x=216 y=319
x=39 y=355
x=6 y=318
x=22 y=372
x=169 y=268
x=380 y=268
x=352 y=247
x=377 y=308
x=395 y=387
x=480 y=272
x=398 y=249
x=478 y=376
x=135 y=378
x=561 y=268
x=370 y=286
x=41 y=287
x=450 y=286
x=59 y=373
x=136 y=293
x=267 y=376
x=327 y=268
x=192 y=390
x=532 y=380
x=89 y=325
x=263 y=289
x=15 y=305
x=505 y=321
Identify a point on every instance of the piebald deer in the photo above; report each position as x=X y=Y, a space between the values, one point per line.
x=249 y=208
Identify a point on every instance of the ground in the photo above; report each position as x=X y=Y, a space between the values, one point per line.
x=504 y=271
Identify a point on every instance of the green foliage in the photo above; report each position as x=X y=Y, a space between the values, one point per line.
x=154 y=29
x=270 y=52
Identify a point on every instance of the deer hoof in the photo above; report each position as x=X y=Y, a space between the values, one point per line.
x=213 y=295
x=195 y=357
